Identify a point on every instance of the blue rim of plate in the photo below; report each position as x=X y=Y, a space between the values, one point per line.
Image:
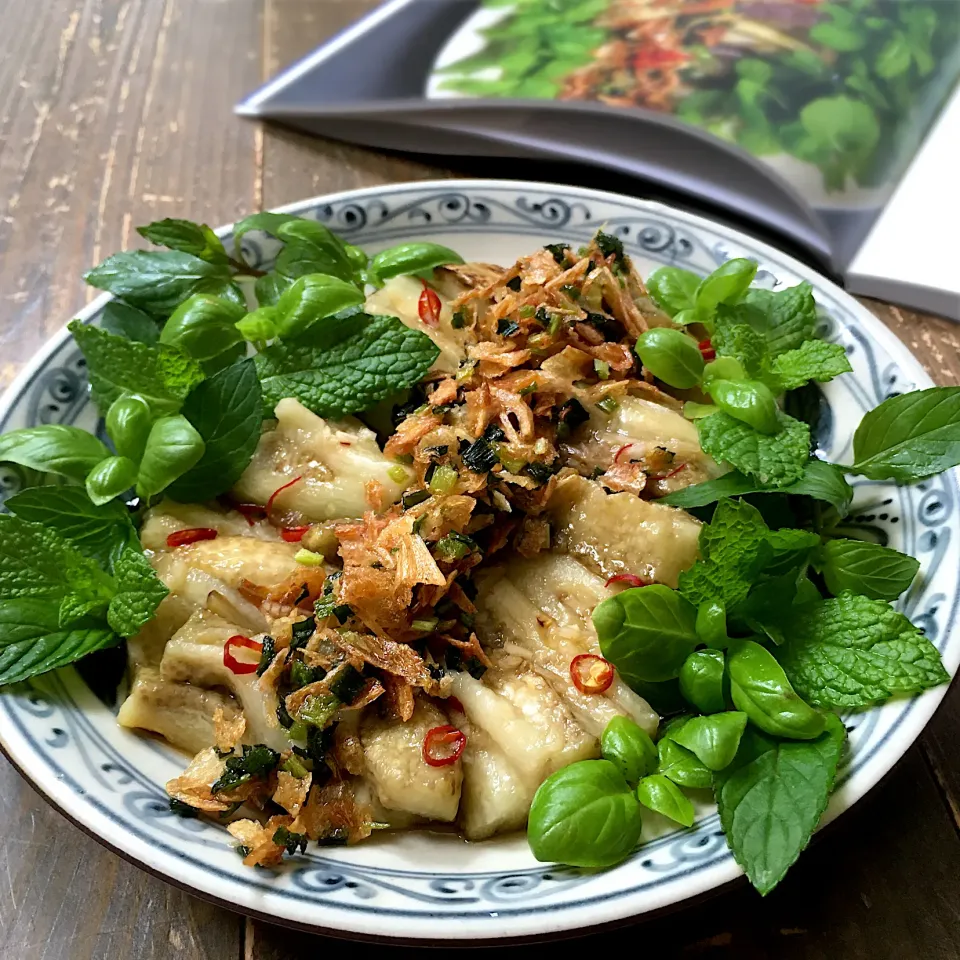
x=660 y=235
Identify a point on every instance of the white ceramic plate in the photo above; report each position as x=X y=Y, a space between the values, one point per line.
x=423 y=885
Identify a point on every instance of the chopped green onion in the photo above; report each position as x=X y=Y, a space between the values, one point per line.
x=301 y=674
x=398 y=473
x=444 y=479
x=458 y=320
x=455 y=546
x=308 y=558
x=425 y=626
x=414 y=497
x=294 y=767
x=530 y=388
x=318 y=710
x=608 y=404
x=602 y=369
x=572 y=292
x=512 y=464
x=465 y=371
x=298 y=731
x=527 y=311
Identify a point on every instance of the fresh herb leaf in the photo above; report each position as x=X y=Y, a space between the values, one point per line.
x=682 y=767
x=139 y=592
x=712 y=740
x=812 y=360
x=53 y=448
x=409 y=258
x=866 y=568
x=188 y=237
x=853 y=651
x=909 y=437
x=786 y=318
x=156 y=282
x=743 y=343
x=313 y=248
x=311 y=298
x=125 y=321
x=726 y=285
x=663 y=796
x=673 y=289
x=775 y=460
x=227 y=412
x=340 y=374
x=820 y=480
x=173 y=447
x=266 y=222
x=205 y=327
x=255 y=761
x=160 y=374
x=110 y=478
x=629 y=748
x=771 y=799
x=268 y=290
x=646 y=632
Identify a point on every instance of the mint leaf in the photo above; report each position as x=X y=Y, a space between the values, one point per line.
x=139 y=592
x=731 y=556
x=853 y=651
x=334 y=374
x=910 y=437
x=866 y=568
x=820 y=480
x=771 y=798
x=775 y=460
x=813 y=360
x=97 y=532
x=313 y=248
x=188 y=237
x=743 y=343
x=53 y=448
x=160 y=374
x=155 y=282
x=227 y=412
x=122 y=320
x=787 y=318
x=32 y=641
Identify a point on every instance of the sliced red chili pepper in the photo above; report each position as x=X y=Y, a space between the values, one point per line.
x=429 y=306
x=655 y=58
x=251 y=512
x=443 y=746
x=673 y=473
x=183 y=537
x=279 y=490
x=293 y=534
x=590 y=673
x=630 y=579
x=234 y=665
x=621 y=451
x=706 y=348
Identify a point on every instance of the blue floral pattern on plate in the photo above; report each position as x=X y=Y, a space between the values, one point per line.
x=432 y=885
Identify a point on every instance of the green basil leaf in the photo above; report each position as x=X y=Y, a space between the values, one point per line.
x=682 y=767
x=53 y=448
x=646 y=632
x=713 y=740
x=203 y=327
x=311 y=298
x=749 y=401
x=673 y=289
x=671 y=356
x=408 y=258
x=663 y=796
x=866 y=568
x=98 y=532
x=701 y=680
x=777 y=460
x=227 y=412
x=909 y=437
x=821 y=480
x=313 y=248
x=154 y=282
x=188 y=237
x=760 y=688
x=584 y=815
x=173 y=447
x=345 y=366
x=110 y=478
x=160 y=374
x=269 y=288
x=122 y=320
x=265 y=222
x=771 y=800
x=852 y=652
x=128 y=425
x=727 y=284
x=629 y=748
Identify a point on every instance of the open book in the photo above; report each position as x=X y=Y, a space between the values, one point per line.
x=834 y=124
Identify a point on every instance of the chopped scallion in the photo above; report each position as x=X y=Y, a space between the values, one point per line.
x=444 y=479
x=398 y=473
x=308 y=558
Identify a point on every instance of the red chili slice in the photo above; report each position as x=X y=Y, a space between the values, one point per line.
x=621 y=451
x=234 y=665
x=443 y=746
x=183 y=537
x=590 y=673
x=273 y=496
x=630 y=579
x=706 y=348
x=293 y=534
x=251 y=512
x=429 y=306
x=673 y=473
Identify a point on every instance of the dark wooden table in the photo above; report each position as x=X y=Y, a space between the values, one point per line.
x=114 y=113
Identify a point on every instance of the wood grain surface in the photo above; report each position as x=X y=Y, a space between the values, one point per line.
x=117 y=112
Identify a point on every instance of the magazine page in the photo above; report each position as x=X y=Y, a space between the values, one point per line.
x=823 y=105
